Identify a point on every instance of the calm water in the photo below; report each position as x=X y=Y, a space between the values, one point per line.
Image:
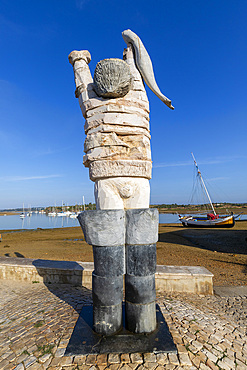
x=35 y=221
x=45 y=222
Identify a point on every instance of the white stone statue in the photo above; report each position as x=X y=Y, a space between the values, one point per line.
x=116 y=109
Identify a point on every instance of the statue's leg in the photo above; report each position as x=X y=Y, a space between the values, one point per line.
x=107 y=195
x=140 y=197
x=109 y=268
x=105 y=231
x=141 y=236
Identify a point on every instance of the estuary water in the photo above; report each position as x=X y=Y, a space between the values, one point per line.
x=38 y=220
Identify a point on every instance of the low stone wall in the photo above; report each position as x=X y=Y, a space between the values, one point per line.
x=186 y=279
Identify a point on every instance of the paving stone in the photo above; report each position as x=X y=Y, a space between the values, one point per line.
x=113 y=358
x=36 y=366
x=19 y=367
x=56 y=361
x=240 y=365
x=197 y=344
x=29 y=361
x=46 y=364
x=125 y=358
x=60 y=352
x=150 y=365
x=66 y=361
x=136 y=358
x=162 y=359
x=169 y=367
x=224 y=366
x=173 y=358
x=204 y=367
x=149 y=357
x=91 y=360
x=102 y=367
x=210 y=355
x=114 y=366
x=196 y=361
x=125 y=367
x=184 y=359
x=212 y=365
x=133 y=366
x=83 y=367
x=229 y=362
x=101 y=359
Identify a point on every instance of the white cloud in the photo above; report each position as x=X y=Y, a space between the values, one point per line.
x=217 y=179
x=218 y=160
x=27 y=178
x=80 y=4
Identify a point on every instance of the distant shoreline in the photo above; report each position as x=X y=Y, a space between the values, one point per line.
x=168 y=211
x=9 y=213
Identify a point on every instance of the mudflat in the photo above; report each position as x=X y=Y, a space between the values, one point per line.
x=222 y=251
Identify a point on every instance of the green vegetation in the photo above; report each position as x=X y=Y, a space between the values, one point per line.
x=47 y=348
x=190 y=208
x=38 y=324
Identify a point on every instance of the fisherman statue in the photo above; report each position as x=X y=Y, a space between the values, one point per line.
x=123 y=230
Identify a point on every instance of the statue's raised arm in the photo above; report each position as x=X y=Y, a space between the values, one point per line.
x=144 y=64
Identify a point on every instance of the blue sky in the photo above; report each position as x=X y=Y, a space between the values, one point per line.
x=198 y=50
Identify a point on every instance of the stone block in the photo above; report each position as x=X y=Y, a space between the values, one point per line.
x=140 y=289
x=121 y=168
x=119 y=130
x=120 y=107
x=141 y=259
x=109 y=261
x=142 y=226
x=107 y=319
x=108 y=290
x=109 y=118
x=141 y=318
x=103 y=227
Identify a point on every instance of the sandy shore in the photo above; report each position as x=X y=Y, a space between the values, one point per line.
x=221 y=251
x=9 y=213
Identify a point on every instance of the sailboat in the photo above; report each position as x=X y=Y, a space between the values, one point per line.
x=22 y=215
x=212 y=219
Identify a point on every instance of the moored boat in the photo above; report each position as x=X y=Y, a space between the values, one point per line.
x=211 y=219
x=198 y=221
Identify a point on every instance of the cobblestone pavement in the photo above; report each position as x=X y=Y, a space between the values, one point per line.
x=36 y=322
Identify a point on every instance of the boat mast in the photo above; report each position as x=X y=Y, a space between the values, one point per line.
x=204 y=186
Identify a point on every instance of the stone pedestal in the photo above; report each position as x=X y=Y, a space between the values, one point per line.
x=123 y=244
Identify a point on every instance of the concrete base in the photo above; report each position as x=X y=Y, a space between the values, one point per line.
x=181 y=279
x=85 y=341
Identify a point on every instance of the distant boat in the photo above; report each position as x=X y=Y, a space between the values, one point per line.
x=52 y=214
x=61 y=214
x=211 y=219
x=22 y=215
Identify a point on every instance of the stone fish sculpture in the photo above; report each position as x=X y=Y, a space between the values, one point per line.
x=144 y=64
x=116 y=109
